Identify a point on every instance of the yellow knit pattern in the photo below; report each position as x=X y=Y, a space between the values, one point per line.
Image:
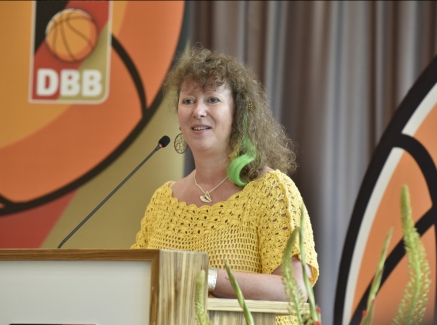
x=249 y=230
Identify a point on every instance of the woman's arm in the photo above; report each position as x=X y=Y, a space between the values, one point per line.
x=260 y=286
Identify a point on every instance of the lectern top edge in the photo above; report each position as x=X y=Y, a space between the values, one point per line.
x=79 y=254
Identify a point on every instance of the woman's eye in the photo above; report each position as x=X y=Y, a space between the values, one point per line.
x=187 y=101
x=214 y=100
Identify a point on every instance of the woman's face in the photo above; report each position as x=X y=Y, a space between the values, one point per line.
x=205 y=117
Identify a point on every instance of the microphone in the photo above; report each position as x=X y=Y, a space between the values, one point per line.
x=162 y=143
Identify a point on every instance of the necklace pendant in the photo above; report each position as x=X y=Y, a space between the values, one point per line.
x=206 y=198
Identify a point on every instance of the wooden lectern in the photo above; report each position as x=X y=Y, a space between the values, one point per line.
x=112 y=287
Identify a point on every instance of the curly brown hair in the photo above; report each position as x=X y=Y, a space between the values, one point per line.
x=253 y=128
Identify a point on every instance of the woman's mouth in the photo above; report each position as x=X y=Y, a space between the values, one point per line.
x=200 y=128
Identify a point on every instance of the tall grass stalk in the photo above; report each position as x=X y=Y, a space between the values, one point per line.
x=201 y=313
x=247 y=314
x=412 y=307
x=292 y=289
x=368 y=313
x=315 y=316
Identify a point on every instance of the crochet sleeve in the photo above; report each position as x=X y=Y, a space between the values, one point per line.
x=142 y=237
x=281 y=215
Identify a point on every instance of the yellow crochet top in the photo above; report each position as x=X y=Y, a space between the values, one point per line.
x=249 y=230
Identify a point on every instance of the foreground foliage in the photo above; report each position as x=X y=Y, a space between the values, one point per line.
x=410 y=311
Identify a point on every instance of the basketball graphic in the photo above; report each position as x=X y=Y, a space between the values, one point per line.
x=57 y=141
x=71 y=35
x=71 y=58
x=406 y=154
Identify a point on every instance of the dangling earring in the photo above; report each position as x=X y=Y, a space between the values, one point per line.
x=180 y=145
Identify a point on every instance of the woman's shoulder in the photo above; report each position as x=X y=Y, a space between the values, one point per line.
x=164 y=186
x=268 y=174
x=271 y=179
x=180 y=186
x=163 y=190
x=264 y=171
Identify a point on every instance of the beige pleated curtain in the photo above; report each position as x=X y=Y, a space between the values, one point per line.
x=334 y=72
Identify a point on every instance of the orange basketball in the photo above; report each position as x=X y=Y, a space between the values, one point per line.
x=71 y=35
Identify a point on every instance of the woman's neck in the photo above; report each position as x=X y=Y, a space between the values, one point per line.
x=211 y=170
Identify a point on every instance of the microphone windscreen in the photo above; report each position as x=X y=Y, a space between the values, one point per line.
x=165 y=140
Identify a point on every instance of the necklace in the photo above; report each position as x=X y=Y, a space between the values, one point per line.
x=206 y=197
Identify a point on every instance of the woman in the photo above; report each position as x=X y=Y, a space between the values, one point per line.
x=237 y=205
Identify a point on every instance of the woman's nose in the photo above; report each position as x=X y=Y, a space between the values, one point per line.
x=200 y=110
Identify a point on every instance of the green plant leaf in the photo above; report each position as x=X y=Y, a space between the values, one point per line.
x=315 y=315
x=292 y=289
x=412 y=307
x=374 y=288
x=240 y=298
x=201 y=313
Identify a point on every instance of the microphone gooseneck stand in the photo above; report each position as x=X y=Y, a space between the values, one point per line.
x=163 y=142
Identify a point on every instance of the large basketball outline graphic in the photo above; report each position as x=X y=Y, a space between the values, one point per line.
x=8 y=206
x=396 y=140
